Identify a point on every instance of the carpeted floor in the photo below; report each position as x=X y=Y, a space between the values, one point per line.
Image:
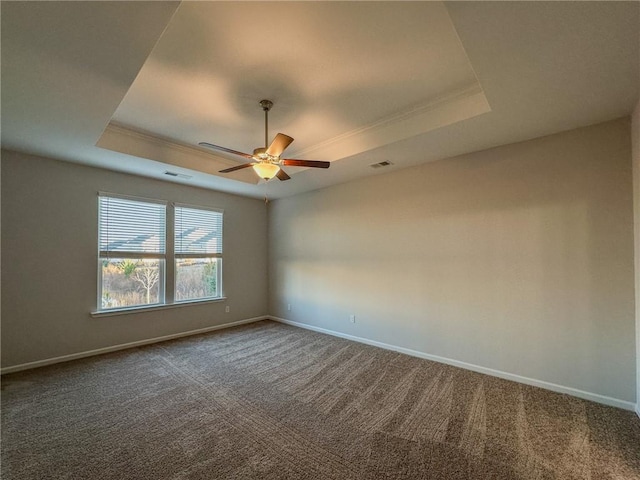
x=269 y=401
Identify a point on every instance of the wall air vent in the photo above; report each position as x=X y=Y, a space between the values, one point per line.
x=179 y=175
x=386 y=163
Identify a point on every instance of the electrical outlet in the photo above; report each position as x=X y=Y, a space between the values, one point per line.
x=352 y=318
x=227 y=309
x=289 y=307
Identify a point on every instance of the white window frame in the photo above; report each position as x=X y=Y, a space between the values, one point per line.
x=167 y=288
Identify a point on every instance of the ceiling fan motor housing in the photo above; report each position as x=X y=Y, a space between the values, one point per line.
x=261 y=155
x=260 y=152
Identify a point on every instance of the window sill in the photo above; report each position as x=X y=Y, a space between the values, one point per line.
x=152 y=308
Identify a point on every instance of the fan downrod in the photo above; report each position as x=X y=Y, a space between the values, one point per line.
x=266 y=106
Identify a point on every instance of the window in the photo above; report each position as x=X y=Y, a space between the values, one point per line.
x=134 y=252
x=198 y=253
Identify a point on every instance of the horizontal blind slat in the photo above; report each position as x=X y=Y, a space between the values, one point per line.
x=197 y=231
x=131 y=226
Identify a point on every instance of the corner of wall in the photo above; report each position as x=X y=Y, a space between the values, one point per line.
x=635 y=149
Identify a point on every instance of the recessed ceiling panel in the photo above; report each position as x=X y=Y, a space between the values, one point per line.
x=332 y=69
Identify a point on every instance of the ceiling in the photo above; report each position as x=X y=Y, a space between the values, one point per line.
x=134 y=86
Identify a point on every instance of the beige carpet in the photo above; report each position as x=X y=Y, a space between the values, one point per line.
x=268 y=401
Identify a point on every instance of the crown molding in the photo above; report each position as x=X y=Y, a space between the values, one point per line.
x=117 y=129
x=130 y=141
x=469 y=101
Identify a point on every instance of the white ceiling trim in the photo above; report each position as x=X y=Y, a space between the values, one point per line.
x=443 y=111
x=140 y=144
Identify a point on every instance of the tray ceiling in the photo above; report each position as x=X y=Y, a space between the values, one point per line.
x=341 y=74
x=134 y=86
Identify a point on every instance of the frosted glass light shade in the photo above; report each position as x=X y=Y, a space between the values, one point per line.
x=266 y=170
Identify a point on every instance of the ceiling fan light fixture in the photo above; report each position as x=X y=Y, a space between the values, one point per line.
x=266 y=160
x=266 y=170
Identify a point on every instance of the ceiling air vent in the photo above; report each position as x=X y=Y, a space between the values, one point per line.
x=179 y=175
x=386 y=163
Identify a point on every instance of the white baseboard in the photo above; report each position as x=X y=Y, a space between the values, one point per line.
x=594 y=397
x=124 y=346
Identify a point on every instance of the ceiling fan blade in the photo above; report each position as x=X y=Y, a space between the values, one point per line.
x=282 y=175
x=279 y=144
x=306 y=163
x=233 y=169
x=224 y=149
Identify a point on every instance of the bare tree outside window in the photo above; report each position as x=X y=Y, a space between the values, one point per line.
x=130 y=282
x=147 y=275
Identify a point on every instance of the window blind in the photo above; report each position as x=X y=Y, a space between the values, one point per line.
x=197 y=231
x=131 y=226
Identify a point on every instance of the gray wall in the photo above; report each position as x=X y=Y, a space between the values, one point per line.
x=49 y=246
x=518 y=259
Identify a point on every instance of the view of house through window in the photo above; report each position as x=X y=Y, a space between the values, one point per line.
x=133 y=252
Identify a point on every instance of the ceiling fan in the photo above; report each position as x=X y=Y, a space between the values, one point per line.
x=265 y=160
